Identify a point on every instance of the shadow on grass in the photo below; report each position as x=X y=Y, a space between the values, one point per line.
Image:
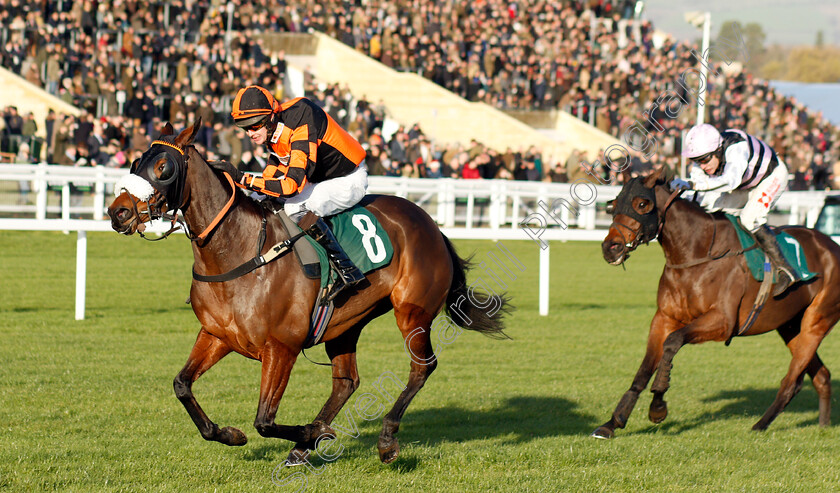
x=601 y=306
x=273 y=452
x=517 y=420
x=739 y=404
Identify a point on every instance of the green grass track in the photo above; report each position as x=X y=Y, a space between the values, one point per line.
x=89 y=406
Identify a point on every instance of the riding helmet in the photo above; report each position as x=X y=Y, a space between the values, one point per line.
x=701 y=140
x=252 y=105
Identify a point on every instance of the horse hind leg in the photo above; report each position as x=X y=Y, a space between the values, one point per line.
x=415 y=324
x=803 y=348
x=821 y=378
x=345 y=378
x=206 y=352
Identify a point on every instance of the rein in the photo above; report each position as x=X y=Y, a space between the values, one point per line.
x=183 y=225
x=222 y=213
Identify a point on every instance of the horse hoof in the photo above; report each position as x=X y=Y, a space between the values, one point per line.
x=602 y=433
x=388 y=453
x=759 y=427
x=232 y=436
x=297 y=457
x=658 y=412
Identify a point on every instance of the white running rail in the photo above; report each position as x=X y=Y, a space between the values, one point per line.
x=465 y=209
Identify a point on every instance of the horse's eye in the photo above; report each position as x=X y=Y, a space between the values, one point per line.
x=644 y=206
x=166 y=170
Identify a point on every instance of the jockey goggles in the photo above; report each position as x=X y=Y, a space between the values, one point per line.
x=256 y=126
x=704 y=158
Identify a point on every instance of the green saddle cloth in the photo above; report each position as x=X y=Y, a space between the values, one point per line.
x=363 y=239
x=790 y=249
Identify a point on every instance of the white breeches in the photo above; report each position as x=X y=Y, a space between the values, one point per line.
x=751 y=205
x=329 y=197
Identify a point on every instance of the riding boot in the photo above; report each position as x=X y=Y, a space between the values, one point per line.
x=348 y=274
x=784 y=272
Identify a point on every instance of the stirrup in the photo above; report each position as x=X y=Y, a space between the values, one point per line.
x=341 y=283
x=348 y=274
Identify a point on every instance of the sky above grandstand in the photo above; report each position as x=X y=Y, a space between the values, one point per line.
x=786 y=22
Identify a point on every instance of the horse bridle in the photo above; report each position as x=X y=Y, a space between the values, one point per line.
x=647 y=230
x=169 y=189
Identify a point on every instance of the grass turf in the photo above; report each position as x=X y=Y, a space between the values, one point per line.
x=88 y=405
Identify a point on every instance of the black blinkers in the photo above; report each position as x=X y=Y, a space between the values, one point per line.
x=623 y=204
x=170 y=180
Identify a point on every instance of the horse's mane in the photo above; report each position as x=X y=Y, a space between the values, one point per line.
x=241 y=197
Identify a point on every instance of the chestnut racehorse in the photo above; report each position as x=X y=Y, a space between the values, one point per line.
x=265 y=314
x=705 y=298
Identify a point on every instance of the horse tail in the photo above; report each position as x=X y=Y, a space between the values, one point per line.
x=470 y=308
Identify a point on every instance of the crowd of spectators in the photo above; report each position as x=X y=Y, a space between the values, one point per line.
x=132 y=65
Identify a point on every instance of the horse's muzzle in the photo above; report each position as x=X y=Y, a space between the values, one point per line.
x=121 y=219
x=614 y=251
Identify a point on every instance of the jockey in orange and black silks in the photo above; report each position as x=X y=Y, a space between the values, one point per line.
x=307 y=147
x=315 y=165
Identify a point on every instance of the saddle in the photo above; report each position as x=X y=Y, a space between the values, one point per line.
x=364 y=241
x=304 y=250
x=789 y=246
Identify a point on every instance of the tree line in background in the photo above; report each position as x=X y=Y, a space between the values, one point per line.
x=817 y=63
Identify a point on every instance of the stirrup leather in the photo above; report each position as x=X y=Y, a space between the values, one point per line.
x=785 y=274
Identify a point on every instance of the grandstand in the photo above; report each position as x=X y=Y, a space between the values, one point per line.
x=454 y=78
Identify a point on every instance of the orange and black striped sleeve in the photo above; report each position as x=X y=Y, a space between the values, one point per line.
x=274 y=181
x=319 y=149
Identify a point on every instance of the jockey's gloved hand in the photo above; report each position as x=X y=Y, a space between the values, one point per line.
x=680 y=184
x=228 y=168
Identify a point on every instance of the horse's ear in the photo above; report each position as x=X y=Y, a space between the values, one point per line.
x=185 y=138
x=167 y=129
x=651 y=179
x=625 y=174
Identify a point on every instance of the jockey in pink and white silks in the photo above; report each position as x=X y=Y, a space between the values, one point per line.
x=742 y=175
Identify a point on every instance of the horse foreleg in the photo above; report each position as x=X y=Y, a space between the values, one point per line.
x=708 y=327
x=277 y=362
x=345 y=378
x=660 y=327
x=206 y=352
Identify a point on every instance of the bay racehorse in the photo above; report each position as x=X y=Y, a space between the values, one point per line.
x=706 y=294
x=265 y=314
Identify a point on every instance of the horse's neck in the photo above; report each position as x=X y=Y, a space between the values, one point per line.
x=234 y=239
x=687 y=234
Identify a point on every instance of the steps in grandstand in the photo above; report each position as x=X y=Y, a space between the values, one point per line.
x=28 y=97
x=442 y=115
